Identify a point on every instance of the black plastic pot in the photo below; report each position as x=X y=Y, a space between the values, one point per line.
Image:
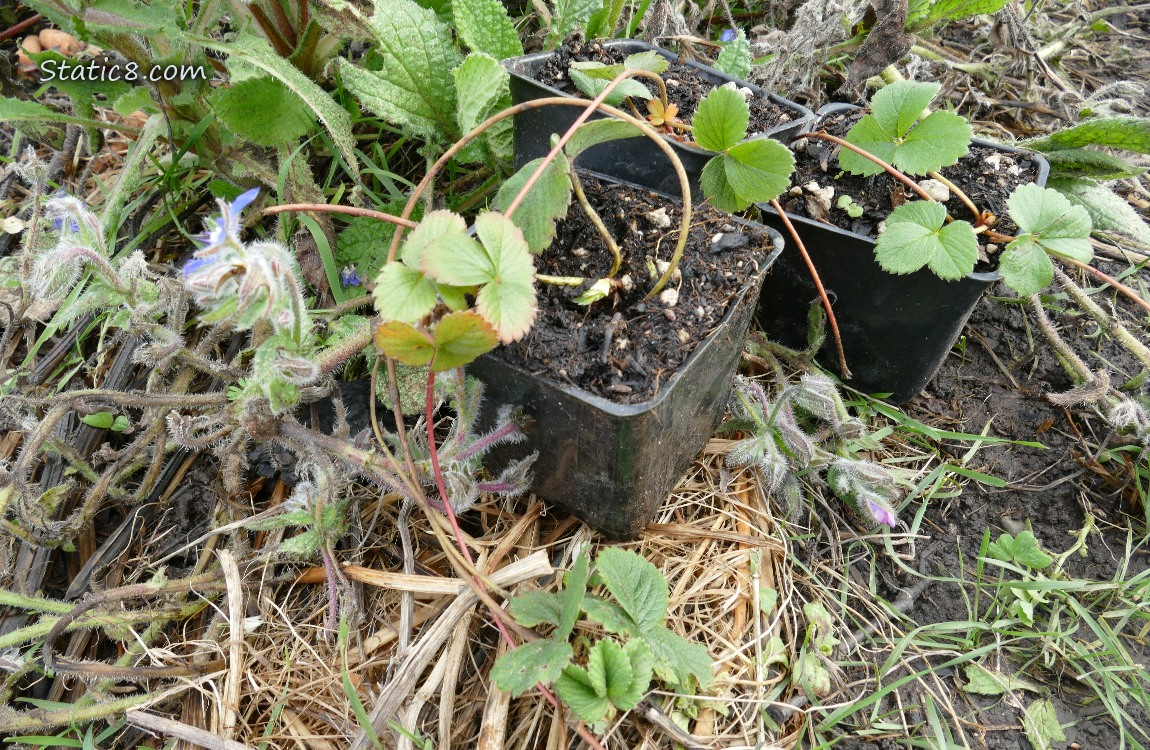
x=896 y=330
x=611 y=464
x=636 y=160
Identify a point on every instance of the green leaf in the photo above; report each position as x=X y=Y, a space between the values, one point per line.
x=954 y=10
x=485 y=26
x=636 y=584
x=735 y=57
x=917 y=235
x=81 y=91
x=1052 y=221
x=520 y=669
x=363 y=245
x=983 y=681
x=436 y=228
x=507 y=301
x=405 y=343
x=1108 y=210
x=605 y=664
x=101 y=420
x=577 y=692
x=650 y=61
x=869 y=135
x=262 y=111
x=676 y=659
x=610 y=615
x=713 y=180
x=593 y=86
x=1127 y=133
x=899 y=105
x=1025 y=266
x=257 y=52
x=481 y=85
x=460 y=337
x=1081 y=162
x=1040 y=720
x=1022 y=549
x=404 y=294
x=411 y=88
x=566 y=17
x=598 y=131
x=938 y=141
x=758 y=170
x=639 y=658
x=533 y=608
x=37 y=120
x=574 y=589
x=304 y=544
x=547 y=200
x=721 y=120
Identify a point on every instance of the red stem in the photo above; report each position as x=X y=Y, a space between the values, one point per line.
x=866 y=154
x=843 y=369
x=12 y=31
x=349 y=210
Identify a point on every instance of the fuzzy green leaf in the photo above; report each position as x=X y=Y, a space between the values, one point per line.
x=577 y=692
x=606 y=664
x=1022 y=549
x=411 y=89
x=403 y=342
x=735 y=57
x=404 y=294
x=592 y=86
x=507 y=301
x=485 y=26
x=1052 y=221
x=481 y=85
x=1128 y=133
x=1040 y=720
x=636 y=584
x=460 y=337
x=36 y=119
x=650 y=61
x=758 y=170
x=547 y=200
x=641 y=661
x=574 y=589
x=520 y=669
x=304 y=544
x=1081 y=162
x=721 y=120
x=1025 y=267
x=917 y=235
x=363 y=245
x=262 y=111
x=610 y=615
x=598 y=131
x=983 y=681
x=533 y=608
x=676 y=659
x=437 y=227
x=869 y=135
x=1108 y=210
x=256 y=52
x=566 y=17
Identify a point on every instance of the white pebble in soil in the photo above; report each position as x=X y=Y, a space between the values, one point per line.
x=669 y=297
x=936 y=190
x=824 y=195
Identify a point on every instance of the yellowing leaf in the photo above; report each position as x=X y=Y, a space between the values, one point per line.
x=403 y=342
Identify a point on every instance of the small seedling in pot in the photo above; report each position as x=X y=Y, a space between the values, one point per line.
x=847 y=203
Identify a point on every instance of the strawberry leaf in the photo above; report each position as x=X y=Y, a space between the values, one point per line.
x=917 y=235
x=460 y=337
x=721 y=119
x=405 y=343
x=1050 y=220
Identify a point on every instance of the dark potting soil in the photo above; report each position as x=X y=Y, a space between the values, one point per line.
x=622 y=347
x=685 y=86
x=986 y=175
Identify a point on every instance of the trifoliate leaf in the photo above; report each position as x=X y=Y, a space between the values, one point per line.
x=735 y=57
x=485 y=26
x=507 y=298
x=1025 y=266
x=984 y=681
x=899 y=105
x=263 y=111
x=592 y=86
x=533 y=608
x=442 y=228
x=403 y=342
x=411 y=88
x=1129 y=133
x=1022 y=549
x=574 y=589
x=578 y=693
x=547 y=200
x=677 y=660
x=520 y=669
x=758 y=170
x=481 y=86
x=403 y=293
x=636 y=584
x=938 y=141
x=650 y=61
x=1108 y=210
x=610 y=615
x=1052 y=221
x=598 y=131
x=917 y=235
x=721 y=119
x=460 y=337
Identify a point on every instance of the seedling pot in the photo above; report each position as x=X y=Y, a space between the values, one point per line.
x=611 y=464
x=636 y=160
x=896 y=330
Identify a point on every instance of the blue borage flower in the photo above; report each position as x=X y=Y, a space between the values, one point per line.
x=224 y=230
x=728 y=35
x=348 y=276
